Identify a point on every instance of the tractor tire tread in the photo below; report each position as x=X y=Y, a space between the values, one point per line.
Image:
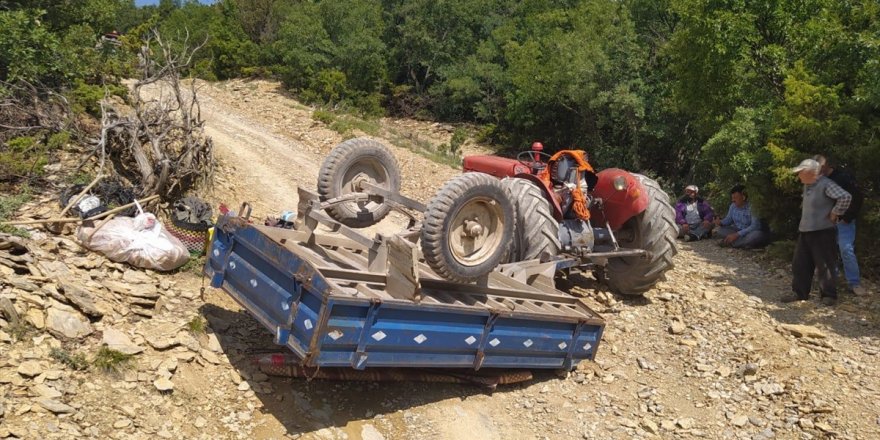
x=537 y=231
x=631 y=276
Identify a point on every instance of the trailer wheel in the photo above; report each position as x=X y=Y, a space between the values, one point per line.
x=346 y=167
x=468 y=227
x=537 y=232
x=654 y=230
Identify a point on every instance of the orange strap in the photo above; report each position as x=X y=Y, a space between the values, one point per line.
x=579 y=204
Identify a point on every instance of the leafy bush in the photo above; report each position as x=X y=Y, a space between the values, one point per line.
x=197 y=325
x=28 y=50
x=21 y=157
x=58 y=140
x=323 y=116
x=346 y=126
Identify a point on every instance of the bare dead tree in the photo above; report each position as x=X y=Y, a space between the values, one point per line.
x=159 y=145
x=26 y=107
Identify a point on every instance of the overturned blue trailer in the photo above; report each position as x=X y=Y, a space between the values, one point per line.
x=337 y=298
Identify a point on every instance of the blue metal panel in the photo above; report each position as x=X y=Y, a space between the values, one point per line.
x=291 y=298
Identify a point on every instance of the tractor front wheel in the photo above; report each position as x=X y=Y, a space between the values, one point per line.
x=654 y=230
x=468 y=227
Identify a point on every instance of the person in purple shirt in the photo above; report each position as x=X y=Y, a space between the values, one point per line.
x=740 y=228
x=693 y=215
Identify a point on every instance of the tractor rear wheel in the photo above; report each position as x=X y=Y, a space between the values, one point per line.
x=350 y=164
x=537 y=232
x=654 y=230
x=468 y=227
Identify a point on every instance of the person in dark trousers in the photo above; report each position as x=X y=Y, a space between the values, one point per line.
x=816 y=251
x=694 y=215
x=846 y=225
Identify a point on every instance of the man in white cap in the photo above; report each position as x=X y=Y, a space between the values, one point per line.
x=816 y=251
x=693 y=215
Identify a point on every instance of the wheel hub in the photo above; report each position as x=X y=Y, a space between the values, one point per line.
x=476 y=232
x=473 y=228
x=357 y=182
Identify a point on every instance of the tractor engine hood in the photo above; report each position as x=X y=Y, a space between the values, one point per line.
x=499 y=167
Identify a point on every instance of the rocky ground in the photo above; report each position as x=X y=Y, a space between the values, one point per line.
x=709 y=353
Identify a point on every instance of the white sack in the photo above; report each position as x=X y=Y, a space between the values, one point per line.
x=140 y=241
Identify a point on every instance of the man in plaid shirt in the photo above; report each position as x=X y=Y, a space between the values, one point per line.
x=816 y=251
x=740 y=228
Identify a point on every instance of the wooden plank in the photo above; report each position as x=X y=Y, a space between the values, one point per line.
x=364 y=289
x=534 y=273
x=444 y=298
x=338 y=257
x=377 y=260
x=508 y=292
x=352 y=275
x=284 y=236
x=403 y=274
x=359 y=257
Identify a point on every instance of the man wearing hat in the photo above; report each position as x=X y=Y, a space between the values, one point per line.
x=823 y=203
x=693 y=215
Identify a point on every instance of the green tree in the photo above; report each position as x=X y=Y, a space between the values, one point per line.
x=28 y=49
x=332 y=52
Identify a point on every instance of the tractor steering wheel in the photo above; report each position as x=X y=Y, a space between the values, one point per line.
x=527 y=158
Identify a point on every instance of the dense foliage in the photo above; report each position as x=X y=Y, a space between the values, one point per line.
x=712 y=92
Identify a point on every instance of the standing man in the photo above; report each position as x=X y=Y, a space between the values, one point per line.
x=823 y=203
x=693 y=215
x=846 y=225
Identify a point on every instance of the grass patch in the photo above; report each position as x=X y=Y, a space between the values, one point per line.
x=324 y=116
x=198 y=325
x=74 y=361
x=8 y=205
x=194 y=265
x=346 y=124
x=426 y=149
x=108 y=359
x=79 y=178
x=20 y=330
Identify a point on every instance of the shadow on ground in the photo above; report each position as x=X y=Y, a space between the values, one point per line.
x=303 y=406
x=767 y=279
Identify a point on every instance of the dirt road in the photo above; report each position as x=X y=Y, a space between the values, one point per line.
x=677 y=364
x=709 y=353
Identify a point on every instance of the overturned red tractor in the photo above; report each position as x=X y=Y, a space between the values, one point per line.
x=556 y=209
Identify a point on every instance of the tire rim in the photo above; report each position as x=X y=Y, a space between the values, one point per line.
x=475 y=231
x=363 y=170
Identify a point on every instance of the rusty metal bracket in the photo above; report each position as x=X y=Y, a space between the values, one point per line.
x=484 y=339
x=359 y=360
x=572 y=346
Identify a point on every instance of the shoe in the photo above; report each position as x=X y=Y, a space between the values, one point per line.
x=687 y=237
x=790 y=298
x=828 y=301
x=859 y=291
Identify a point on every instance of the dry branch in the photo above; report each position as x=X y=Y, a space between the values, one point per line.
x=158 y=145
x=113 y=211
